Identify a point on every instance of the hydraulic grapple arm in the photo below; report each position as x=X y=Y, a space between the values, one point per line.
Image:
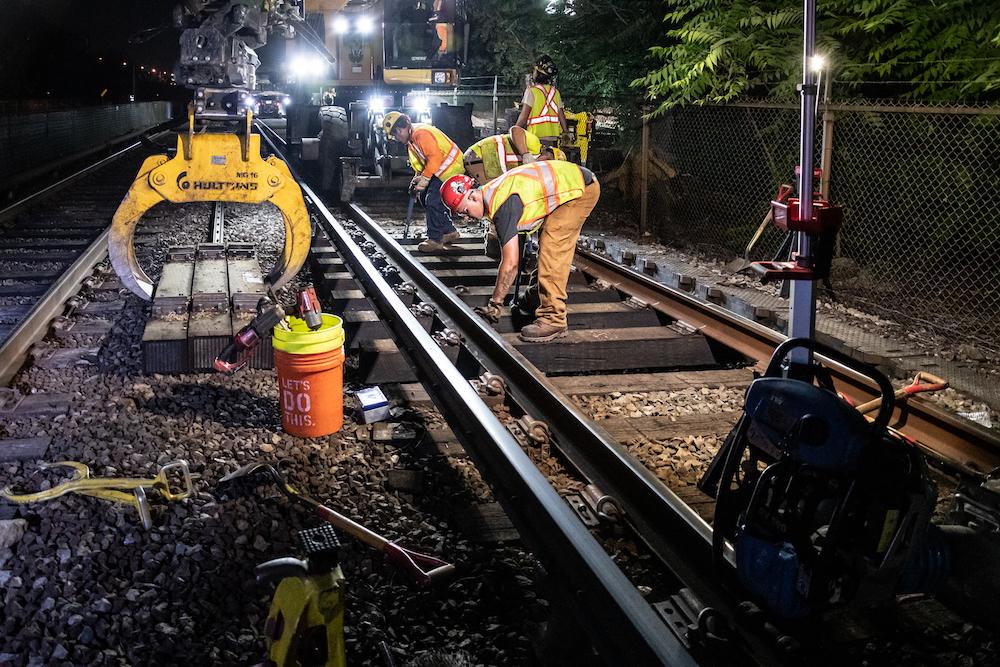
x=211 y=167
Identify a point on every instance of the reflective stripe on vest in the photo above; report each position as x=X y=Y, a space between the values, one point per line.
x=498 y=153
x=450 y=166
x=546 y=112
x=542 y=186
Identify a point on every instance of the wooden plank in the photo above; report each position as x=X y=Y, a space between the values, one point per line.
x=616 y=349
x=33 y=276
x=362 y=325
x=595 y=385
x=24 y=289
x=437 y=262
x=486 y=522
x=479 y=277
x=47 y=244
x=341 y=301
x=43 y=405
x=331 y=281
x=476 y=295
x=624 y=429
x=592 y=316
x=61 y=256
x=24 y=449
x=380 y=361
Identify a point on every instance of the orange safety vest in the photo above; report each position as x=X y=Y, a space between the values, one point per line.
x=452 y=163
x=543 y=120
x=542 y=186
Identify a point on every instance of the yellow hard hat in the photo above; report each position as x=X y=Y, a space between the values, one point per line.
x=557 y=153
x=390 y=120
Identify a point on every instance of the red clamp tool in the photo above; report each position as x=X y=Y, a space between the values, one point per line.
x=822 y=225
x=269 y=315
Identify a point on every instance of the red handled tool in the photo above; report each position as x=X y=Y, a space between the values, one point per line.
x=423 y=569
x=269 y=315
x=309 y=308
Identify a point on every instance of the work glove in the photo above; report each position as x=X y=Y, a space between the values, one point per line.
x=419 y=184
x=566 y=138
x=528 y=158
x=490 y=312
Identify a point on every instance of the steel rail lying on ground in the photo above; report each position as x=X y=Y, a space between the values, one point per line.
x=621 y=624
x=960 y=443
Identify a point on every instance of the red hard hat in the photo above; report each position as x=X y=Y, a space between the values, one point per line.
x=453 y=190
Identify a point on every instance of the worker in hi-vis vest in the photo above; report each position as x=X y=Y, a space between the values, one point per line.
x=434 y=158
x=551 y=198
x=542 y=108
x=490 y=157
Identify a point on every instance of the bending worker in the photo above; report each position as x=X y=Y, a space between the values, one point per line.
x=542 y=111
x=490 y=157
x=434 y=158
x=552 y=198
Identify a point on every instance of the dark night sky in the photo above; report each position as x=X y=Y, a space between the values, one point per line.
x=51 y=48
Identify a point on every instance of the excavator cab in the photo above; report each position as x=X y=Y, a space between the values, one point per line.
x=384 y=55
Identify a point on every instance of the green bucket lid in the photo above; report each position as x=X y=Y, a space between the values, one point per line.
x=299 y=339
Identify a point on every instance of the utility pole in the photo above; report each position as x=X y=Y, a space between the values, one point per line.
x=802 y=301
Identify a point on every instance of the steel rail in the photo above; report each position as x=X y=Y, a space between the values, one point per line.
x=35 y=324
x=621 y=624
x=676 y=533
x=962 y=444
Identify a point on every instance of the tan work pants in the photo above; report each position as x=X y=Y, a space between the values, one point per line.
x=556 y=246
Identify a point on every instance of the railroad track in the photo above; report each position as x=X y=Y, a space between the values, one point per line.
x=620 y=322
x=399 y=307
x=52 y=240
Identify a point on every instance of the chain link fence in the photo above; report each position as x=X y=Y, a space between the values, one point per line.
x=920 y=186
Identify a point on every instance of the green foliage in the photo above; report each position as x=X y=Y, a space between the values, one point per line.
x=600 y=46
x=714 y=51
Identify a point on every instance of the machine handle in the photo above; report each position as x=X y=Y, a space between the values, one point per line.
x=888 y=397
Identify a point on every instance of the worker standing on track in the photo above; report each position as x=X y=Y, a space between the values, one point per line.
x=490 y=157
x=542 y=111
x=434 y=158
x=550 y=198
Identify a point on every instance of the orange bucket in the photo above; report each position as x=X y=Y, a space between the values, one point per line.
x=310 y=367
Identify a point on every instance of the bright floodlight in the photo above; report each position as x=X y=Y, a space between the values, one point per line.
x=817 y=63
x=366 y=25
x=287 y=100
x=317 y=67
x=377 y=103
x=340 y=25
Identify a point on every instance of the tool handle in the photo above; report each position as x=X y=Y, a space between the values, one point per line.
x=423 y=569
x=409 y=216
x=352 y=528
x=922 y=382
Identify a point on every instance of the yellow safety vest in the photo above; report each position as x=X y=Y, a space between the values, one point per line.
x=543 y=121
x=499 y=154
x=452 y=163
x=542 y=186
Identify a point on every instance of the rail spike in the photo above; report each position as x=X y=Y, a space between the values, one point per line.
x=211 y=167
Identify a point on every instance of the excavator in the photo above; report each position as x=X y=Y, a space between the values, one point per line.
x=218 y=157
x=385 y=55
x=350 y=61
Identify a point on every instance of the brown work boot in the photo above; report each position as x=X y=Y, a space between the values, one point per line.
x=430 y=245
x=451 y=237
x=541 y=331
